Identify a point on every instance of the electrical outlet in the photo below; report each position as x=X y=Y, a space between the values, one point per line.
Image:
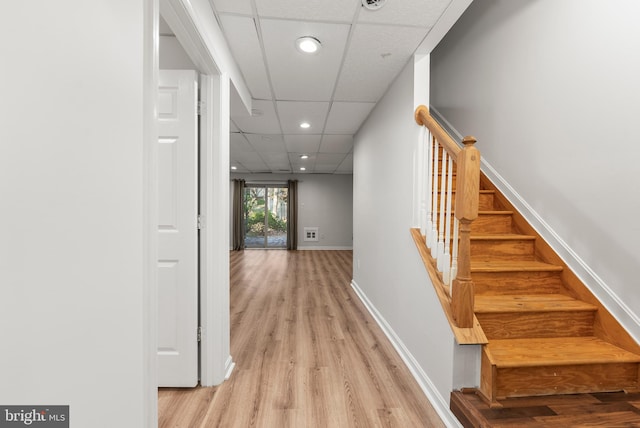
x=311 y=234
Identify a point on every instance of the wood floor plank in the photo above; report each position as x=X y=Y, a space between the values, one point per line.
x=611 y=409
x=307 y=354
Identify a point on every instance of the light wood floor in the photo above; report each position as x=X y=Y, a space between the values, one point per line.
x=307 y=354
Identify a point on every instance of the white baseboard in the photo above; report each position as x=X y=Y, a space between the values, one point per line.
x=229 y=366
x=625 y=316
x=440 y=404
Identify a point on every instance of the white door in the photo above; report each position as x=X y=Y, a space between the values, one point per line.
x=177 y=229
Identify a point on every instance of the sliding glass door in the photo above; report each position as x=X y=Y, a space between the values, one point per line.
x=265 y=214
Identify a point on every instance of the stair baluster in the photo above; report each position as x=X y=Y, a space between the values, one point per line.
x=433 y=241
x=452 y=258
x=446 y=264
x=428 y=196
x=441 y=211
x=423 y=182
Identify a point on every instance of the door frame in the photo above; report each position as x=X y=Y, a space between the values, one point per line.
x=215 y=360
x=149 y=363
x=214 y=242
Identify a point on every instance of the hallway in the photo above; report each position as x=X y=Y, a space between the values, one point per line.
x=307 y=354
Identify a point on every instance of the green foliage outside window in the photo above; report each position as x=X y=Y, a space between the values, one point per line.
x=254 y=207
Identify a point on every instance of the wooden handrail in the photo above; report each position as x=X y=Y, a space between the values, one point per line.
x=423 y=118
x=467 y=159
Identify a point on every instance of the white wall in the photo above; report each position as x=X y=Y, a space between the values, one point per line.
x=324 y=201
x=551 y=90
x=71 y=186
x=172 y=55
x=387 y=267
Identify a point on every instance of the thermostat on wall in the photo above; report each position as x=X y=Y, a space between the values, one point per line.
x=310 y=233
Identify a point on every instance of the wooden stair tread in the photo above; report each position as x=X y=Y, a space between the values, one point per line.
x=529 y=303
x=502 y=237
x=490 y=212
x=513 y=266
x=495 y=212
x=557 y=351
x=482 y=192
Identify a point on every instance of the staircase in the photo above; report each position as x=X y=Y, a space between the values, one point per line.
x=542 y=331
x=546 y=333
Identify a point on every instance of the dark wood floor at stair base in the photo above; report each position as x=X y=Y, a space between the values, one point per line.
x=614 y=409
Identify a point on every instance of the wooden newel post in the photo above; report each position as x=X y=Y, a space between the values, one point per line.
x=467 y=196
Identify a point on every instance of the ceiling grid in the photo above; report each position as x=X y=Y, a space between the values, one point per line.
x=334 y=90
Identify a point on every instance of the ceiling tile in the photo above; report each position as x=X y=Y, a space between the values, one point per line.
x=302 y=144
x=346 y=118
x=328 y=162
x=419 y=13
x=292 y=113
x=336 y=144
x=324 y=170
x=297 y=163
x=277 y=162
x=309 y=10
x=265 y=122
x=249 y=160
x=245 y=47
x=294 y=158
x=266 y=143
x=294 y=75
x=329 y=158
x=238 y=143
x=276 y=157
x=233 y=6
x=346 y=167
x=280 y=168
x=379 y=46
x=376 y=55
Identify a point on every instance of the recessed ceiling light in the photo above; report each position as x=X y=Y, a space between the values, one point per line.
x=304 y=156
x=234 y=167
x=305 y=125
x=308 y=44
x=303 y=168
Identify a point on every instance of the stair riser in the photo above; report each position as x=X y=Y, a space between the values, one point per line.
x=589 y=378
x=485 y=203
x=517 y=282
x=489 y=224
x=497 y=249
x=536 y=324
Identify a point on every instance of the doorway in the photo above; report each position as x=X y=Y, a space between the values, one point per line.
x=265 y=216
x=189 y=46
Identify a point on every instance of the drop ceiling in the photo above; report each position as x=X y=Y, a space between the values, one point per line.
x=333 y=90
